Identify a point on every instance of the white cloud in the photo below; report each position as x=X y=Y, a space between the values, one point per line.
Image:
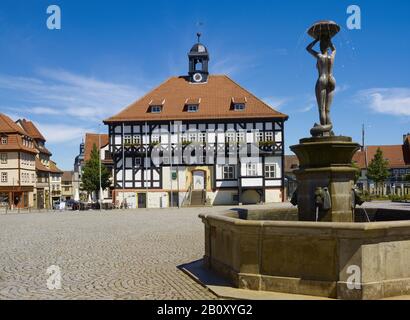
x=57 y=133
x=59 y=92
x=275 y=102
x=309 y=102
x=392 y=101
x=342 y=88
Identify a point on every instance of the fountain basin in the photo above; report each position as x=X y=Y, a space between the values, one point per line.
x=309 y=258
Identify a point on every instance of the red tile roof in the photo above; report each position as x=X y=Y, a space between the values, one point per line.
x=67 y=176
x=215 y=102
x=31 y=129
x=291 y=163
x=9 y=126
x=14 y=134
x=90 y=140
x=54 y=168
x=397 y=155
x=40 y=166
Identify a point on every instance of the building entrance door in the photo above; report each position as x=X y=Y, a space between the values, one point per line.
x=142 y=200
x=199 y=180
x=40 y=199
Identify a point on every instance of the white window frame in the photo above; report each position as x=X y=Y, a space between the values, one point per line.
x=184 y=137
x=3 y=157
x=259 y=136
x=230 y=137
x=156 y=109
x=4 y=140
x=269 y=136
x=155 y=138
x=228 y=172
x=4 y=177
x=270 y=171
x=127 y=139
x=136 y=139
x=240 y=136
x=192 y=108
x=192 y=136
x=251 y=169
x=201 y=137
x=239 y=106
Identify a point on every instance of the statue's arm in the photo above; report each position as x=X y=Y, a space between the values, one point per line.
x=333 y=48
x=309 y=48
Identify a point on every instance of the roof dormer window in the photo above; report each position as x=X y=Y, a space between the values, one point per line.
x=156 y=109
x=192 y=104
x=155 y=105
x=239 y=106
x=192 y=107
x=238 y=103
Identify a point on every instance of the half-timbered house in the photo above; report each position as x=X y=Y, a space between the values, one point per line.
x=227 y=144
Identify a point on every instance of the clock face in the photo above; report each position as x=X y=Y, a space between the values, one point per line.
x=197 y=77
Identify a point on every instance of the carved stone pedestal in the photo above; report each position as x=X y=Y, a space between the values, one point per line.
x=325 y=162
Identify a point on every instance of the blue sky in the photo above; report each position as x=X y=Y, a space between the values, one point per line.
x=109 y=53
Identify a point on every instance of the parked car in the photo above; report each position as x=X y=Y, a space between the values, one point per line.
x=70 y=204
x=56 y=205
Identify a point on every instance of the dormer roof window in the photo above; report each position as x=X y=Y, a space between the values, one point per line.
x=156 y=109
x=238 y=104
x=155 y=106
x=192 y=108
x=192 y=104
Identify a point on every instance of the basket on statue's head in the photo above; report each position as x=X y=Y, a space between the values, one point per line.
x=323 y=28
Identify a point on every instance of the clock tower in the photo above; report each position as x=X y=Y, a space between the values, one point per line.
x=198 y=63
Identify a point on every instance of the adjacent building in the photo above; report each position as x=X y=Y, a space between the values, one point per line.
x=48 y=185
x=197 y=139
x=17 y=165
x=78 y=165
x=29 y=178
x=67 y=190
x=397 y=156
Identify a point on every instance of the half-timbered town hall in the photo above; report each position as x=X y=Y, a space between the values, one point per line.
x=197 y=139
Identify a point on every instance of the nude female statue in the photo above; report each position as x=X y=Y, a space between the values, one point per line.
x=326 y=83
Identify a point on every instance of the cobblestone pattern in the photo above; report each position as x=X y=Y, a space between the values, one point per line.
x=108 y=255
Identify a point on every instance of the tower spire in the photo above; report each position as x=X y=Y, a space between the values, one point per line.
x=198 y=62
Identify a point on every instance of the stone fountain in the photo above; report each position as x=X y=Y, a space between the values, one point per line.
x=318 y=248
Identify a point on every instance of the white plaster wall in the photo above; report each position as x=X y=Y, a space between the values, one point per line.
x=273 y=195
x=166 y=179
x=158 y=200
x=222 y=197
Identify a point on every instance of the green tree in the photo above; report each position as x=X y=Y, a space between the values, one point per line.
x=91 y=174
x=378 y=169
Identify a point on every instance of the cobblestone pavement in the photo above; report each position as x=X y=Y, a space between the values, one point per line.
x=109 y=255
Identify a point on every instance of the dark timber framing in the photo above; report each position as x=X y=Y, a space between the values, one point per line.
x=137 y=151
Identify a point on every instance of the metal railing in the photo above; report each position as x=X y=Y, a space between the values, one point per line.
x=188 y=196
